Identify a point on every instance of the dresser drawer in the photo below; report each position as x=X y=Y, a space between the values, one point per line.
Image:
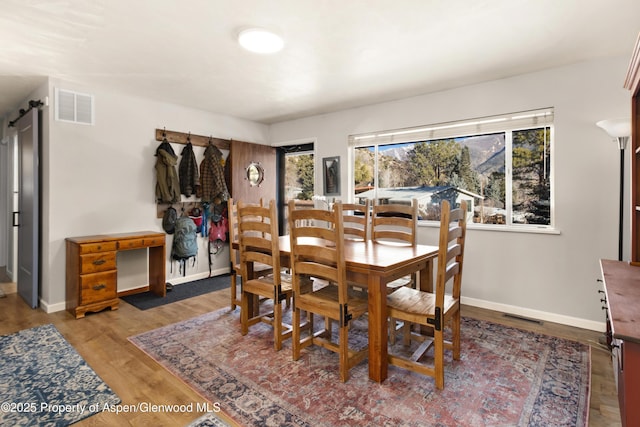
x=98 y=287
x=141 y=243
x=91 y=248
x=93 y=263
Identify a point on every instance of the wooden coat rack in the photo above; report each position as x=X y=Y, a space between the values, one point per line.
x=199 y=140
x=183 y=138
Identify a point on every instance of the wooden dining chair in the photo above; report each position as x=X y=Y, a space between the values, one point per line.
x=356 y=218
x=397 y=224
x=234 y=254
x=258 y=237
x=439 y=308
x=317 y=252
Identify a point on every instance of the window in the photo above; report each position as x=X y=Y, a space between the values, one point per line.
x=500 y=165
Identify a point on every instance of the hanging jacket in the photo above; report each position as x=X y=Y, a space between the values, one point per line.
x=188 y=171
x=167 y=185
x=212 y=183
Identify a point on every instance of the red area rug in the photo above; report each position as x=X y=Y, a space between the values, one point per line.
x=506 y=377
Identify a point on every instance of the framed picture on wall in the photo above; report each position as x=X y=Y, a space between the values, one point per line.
x=331 y=175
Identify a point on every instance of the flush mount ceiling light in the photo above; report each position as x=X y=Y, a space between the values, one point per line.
x=260 y=41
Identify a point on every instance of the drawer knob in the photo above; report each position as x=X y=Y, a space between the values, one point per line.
x=99 y=262
x=98 y=287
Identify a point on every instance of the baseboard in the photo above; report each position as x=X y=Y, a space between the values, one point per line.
x=537 y=314
x=198 y=276
x=185 y=279
x=52 y=308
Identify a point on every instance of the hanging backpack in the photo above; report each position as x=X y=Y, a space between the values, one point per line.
x=185 y=242
x=169 y=220
x=217 y=236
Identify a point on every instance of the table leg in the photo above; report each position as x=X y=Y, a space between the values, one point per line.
x=377 y=328
x=157 y=267
x=426 y=277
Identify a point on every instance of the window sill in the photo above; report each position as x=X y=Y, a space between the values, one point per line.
x=531 y=229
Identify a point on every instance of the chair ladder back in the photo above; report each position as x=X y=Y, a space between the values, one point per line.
x=317 y=251
x=258 y=236
x=356 y=219
x=396 y=222
x=232 y=210
x=453 y=226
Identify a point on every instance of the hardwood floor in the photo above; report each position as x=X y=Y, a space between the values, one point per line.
x=101 y=339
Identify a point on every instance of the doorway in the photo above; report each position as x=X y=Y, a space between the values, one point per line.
x=9 y=204
x=28 y=218
x=296 y=181
x=21 y=203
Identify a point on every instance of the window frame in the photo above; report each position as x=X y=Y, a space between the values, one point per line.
x=505 y=123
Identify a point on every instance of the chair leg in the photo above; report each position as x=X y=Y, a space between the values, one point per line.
x=244 y=313
x=234 y=283
x=438 y=353
x=392 y=330
x=344 y=353
x=277 y=325
x=455 y=329
x=295 y=336
x=406 y=332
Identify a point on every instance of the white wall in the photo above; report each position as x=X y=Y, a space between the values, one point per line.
x=546 y=276
x=101 y=179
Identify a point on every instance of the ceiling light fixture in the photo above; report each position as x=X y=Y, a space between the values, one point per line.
x=258 y=40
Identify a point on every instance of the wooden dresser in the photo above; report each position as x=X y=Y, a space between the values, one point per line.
x=91 y=270
x=622 y=290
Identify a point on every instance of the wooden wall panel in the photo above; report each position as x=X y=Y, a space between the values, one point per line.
x=241 y=155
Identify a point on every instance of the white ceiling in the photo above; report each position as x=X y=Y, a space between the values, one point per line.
x=338 y=53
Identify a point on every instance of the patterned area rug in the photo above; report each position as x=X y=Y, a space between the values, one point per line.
x=209 y=420
x=506 y=377
x=45 y=382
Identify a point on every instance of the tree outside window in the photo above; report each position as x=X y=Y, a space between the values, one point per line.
x=470 y=167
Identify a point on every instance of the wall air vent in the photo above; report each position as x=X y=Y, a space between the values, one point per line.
x=74 y=107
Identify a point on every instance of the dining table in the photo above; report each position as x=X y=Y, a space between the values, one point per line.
x=372 y=265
